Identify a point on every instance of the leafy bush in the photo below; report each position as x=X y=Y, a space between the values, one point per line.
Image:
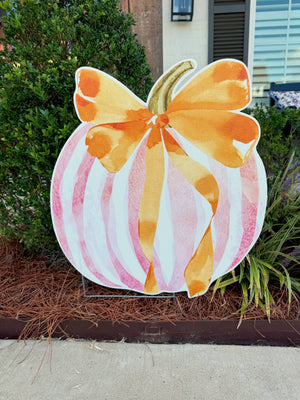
x=279 y=129
x=45 y=42
x=275 y=258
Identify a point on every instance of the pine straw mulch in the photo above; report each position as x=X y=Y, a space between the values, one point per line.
x=45 y=292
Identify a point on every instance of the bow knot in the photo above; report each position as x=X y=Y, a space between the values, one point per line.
x=159 y=121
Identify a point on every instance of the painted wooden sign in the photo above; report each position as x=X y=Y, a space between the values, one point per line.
x=165 y=196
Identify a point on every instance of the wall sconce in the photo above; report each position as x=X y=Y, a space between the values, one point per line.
x=182 y=10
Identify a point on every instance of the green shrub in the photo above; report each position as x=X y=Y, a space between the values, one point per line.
x=279 y=129
x=45 y=42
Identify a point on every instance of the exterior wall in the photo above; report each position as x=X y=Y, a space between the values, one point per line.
x=168 y=42
x=148 y=28
x=182 y=40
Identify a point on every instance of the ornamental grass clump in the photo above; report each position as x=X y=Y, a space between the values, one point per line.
x=45 y=43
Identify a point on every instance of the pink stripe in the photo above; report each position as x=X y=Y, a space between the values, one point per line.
x=125 y=277
x=57 y=182
x=250 y=200
x=184 y=220
x=135 y=190
x=77 y=209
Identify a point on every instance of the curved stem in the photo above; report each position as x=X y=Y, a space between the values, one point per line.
x=161 y=93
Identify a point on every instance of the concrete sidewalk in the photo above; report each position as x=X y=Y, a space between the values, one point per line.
x=85 y=370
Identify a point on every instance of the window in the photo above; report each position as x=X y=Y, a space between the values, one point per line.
x=276 y=45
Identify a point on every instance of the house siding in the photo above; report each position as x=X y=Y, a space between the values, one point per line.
x=148 y=28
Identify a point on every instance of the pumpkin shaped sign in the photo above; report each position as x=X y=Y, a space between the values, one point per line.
x=165 y=196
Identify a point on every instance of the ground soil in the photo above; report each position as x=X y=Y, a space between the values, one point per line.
x=44 y=291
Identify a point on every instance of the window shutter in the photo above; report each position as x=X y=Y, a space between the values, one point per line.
x=228 y=29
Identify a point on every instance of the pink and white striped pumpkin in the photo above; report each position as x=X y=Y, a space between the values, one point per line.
x=95 y=216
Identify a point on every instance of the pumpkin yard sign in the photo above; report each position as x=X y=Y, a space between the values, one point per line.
x=165 y=196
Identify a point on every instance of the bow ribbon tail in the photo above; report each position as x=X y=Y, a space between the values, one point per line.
x=200 y=268
x=150 y=203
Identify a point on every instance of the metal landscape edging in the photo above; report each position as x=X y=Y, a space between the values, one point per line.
x=250 y=332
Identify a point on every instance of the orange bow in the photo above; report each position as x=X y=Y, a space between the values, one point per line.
x=201 y=112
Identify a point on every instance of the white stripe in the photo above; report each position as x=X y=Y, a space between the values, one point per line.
x=164 y=239
x=119 y=224
x=235 y=222
x=94 y=227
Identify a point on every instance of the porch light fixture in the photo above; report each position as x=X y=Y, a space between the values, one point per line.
x=182 y=10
